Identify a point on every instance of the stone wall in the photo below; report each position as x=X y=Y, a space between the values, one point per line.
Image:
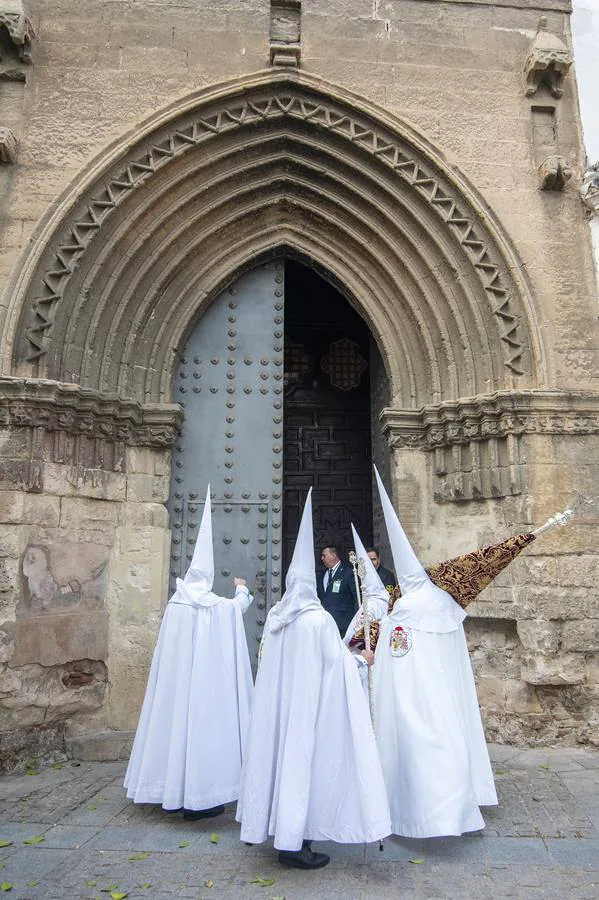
x=82 y=563
x=425 y=153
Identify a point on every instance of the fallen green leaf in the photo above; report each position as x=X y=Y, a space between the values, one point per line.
x=543 y=766
x=58 y=765
x=35 y=840
x=91 y=883
x=214 y=838
x=146 y=884
x=184 y=844
x=499 y=772
x=91 y=806
x=139 y=856
x=417 y=862
x=5 y=843
x=32 y=772
x=33 y=883
x=264 y=882
x=111 y=887
x=6 y=886
x=117 y=895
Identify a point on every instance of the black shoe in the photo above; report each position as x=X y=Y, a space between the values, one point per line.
x=192 y=814
x=304 y=858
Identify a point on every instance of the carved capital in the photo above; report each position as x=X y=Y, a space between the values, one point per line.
x=589 y=189
x=548 y=62
x=554 y=172
x=13 y=16
x=8 y=146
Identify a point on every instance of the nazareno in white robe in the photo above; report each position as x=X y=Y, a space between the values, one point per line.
x=189 y=741
x=429 y=732
x=311 y=769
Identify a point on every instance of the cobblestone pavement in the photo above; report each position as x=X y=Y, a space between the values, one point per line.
x=69 y=832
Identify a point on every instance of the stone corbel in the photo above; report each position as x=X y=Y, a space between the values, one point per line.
x=13 y=16
x=8 y=146
x=548 y=62
x=285 y=33
x=554 y=172
x=589 y=189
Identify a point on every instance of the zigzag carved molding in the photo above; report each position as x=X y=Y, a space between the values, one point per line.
x=278 y=105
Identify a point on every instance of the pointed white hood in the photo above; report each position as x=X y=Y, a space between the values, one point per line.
x=196 y=588
x=300 y=583
x=378 y=598
x=422 y=604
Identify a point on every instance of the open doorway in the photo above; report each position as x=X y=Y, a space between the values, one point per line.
x=327 y=421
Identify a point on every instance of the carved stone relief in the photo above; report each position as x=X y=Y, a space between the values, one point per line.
x=548 y=62
x=285 y=32
x=589 y=190
x=8 y=146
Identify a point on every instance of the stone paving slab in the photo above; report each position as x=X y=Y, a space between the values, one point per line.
x=542 y=841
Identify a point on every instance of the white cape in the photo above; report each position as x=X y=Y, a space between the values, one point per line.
x=429 y=731
x=189 y=741
x=311 y=769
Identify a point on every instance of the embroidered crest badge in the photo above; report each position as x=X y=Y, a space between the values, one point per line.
x=400 y=640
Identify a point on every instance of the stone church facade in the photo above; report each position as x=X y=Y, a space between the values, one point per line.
x=187 y=187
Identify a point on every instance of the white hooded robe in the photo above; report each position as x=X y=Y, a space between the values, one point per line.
x=429 y=731
x=191 y=732
x=311 y=769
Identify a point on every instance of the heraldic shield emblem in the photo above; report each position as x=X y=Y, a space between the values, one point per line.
x=400 y=640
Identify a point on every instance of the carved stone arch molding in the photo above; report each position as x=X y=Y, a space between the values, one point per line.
x=279 y=163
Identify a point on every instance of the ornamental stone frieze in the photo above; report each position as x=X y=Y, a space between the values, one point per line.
x=84 y=423
x=476 y=443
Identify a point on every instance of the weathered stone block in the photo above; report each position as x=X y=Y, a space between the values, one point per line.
x=79 y=512
x=148 y=488
x=578 y=571
x=20 y=508
x=142 y=515
x=147 y=461
x=11 y=540
x=550 y=602
x=77 y=481
x=106 y=745
x=56 y=639
x=44 y=743
x=553 y=668
x=539 y=635
x=581 y=635
x=538 y=569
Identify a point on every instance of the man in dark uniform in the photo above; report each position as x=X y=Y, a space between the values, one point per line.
x=337 y=589
x=387 y=577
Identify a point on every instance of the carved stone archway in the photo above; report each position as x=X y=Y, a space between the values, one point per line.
x=278 y=164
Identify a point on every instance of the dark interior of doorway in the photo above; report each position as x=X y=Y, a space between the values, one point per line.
x=327 y=442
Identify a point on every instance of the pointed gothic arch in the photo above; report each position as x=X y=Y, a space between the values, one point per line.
x=280 y=163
